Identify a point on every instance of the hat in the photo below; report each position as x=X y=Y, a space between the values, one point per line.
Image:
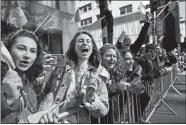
x=150 y=46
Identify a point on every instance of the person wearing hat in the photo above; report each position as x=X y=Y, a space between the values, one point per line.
x=149 y=62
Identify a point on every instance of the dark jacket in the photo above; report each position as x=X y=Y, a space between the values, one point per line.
x=147 y=67
x=135 y=47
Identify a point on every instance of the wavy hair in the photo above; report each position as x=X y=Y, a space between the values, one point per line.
x=34 y=71
x=117 y=73
x=71 y=54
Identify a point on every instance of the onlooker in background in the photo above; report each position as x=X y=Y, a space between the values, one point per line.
x=135 y=47
x=171 y=59
x=146 y=61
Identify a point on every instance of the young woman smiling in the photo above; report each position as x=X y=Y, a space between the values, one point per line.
x=80 y=81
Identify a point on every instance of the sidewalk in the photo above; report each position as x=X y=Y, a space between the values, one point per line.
x=177 y=103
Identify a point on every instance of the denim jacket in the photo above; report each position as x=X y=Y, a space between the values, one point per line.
x=67 y=89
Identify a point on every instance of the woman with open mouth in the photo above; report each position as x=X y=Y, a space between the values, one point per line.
x=80 y=82
x=19 y=88
x=113 y=63
x=134 y=71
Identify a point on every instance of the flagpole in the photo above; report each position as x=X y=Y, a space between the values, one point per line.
x=161 y=11
x=166 y=16
x=167 y=5
x=44 y=21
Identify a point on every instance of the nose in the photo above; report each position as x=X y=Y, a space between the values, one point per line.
x=85 y=41
x=112 y=58
x=131 y=61
x=26 y=55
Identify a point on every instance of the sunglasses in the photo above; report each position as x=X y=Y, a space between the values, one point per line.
x=151 y=50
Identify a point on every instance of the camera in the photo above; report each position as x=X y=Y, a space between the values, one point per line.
x=58 y=60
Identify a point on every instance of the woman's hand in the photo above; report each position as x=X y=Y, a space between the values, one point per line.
x=90 y=94
x=46 y=60
x=49 y=118
x=123 y=85
x=40 y=79
x=12 y=84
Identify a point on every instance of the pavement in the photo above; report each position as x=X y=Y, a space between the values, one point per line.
x=176 y=102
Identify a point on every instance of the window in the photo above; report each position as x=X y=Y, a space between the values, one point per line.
x=85 y=8
x=126 y=9
x=51 y=3
x=86 y=21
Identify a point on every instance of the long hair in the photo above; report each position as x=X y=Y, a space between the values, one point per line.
x=128 y=73
x=117 y=72
x=71 y=54
x=34 y=71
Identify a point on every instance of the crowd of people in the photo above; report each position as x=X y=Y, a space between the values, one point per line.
x=96 y=79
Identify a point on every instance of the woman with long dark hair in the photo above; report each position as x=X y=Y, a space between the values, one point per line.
x=134 y=71
x=81 y=83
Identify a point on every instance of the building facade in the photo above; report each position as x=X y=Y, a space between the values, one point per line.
x=182 y=20
x=125 y=14
x=57 y=37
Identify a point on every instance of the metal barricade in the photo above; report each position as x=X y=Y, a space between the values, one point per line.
x=158 y=90
x=129 y=106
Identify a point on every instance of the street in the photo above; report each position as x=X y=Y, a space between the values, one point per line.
x=177 y=102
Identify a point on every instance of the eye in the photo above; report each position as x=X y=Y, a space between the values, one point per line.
x=89 y=41
x=80 y=40
x=20 y=48
x=33 y=51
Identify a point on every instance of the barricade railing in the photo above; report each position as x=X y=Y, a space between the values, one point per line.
x=159 y=89
x=130 y=110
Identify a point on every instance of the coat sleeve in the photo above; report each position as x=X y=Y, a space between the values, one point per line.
x=101 y=101
x=135 y=47
x=146 y=69
x=9 y=112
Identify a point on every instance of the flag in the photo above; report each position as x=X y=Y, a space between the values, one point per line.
x=6 y=57
x=104 y=32
x=44 y=22
x=121 y=37
x=48 y=24
x=17 y=16
x=142 y=8
x=137 y=71
x=172 y=7
x=97 y=22
x=76 y=17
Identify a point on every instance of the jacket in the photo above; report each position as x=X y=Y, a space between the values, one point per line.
x=135 y=47
x=67 y=89
x=13 y=113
